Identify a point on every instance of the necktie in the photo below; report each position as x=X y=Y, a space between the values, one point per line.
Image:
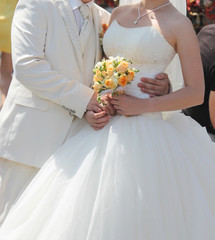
x=86 y=28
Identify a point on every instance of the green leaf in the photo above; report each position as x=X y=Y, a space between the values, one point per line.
x=116 y=92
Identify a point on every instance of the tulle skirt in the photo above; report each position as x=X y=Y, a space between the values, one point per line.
x=139 y=178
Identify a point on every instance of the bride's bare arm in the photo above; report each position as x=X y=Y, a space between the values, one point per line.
x=193 y=92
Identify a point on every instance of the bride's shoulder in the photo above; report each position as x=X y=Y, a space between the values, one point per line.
x=180 y=22
x=181 y=29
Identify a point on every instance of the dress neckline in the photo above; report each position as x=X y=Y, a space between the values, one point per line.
x=146 y=27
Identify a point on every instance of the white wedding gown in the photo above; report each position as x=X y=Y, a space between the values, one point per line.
x=139 y=178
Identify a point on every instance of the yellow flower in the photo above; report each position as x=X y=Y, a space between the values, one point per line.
x=130 y=76
x=109 y=83
x=97 y=78
x=97 y=86
x=108 y=63
x=110 y=70
x=98 y=72
x=122 y=67
x=104 y=74
x=123 y=80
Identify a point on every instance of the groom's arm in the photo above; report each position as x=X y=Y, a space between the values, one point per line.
x=155 y=86
x=33 y=69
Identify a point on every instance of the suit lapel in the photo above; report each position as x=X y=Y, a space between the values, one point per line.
x=69 y=19
x=97 y=26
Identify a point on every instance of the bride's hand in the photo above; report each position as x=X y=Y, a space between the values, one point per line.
x=106 y=100
x=128 y=105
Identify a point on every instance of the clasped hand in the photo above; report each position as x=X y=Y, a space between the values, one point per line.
x=98 y=115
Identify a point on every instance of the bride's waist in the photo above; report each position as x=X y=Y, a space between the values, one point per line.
x=135 y=91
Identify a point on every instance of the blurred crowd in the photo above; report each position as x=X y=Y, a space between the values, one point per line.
x=201 y=13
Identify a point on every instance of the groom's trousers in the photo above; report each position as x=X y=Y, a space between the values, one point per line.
x=14 y=178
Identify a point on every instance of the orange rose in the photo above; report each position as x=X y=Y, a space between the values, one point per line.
x=123 y=80
x=103 y=30
x=122 y=67
x=130 y=76
x=104 y=27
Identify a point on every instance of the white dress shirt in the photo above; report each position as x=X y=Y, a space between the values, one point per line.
x=76 y=9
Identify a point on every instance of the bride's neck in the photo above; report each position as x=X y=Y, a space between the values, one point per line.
x=151 y=4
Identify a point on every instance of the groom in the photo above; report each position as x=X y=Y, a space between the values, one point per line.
x=55 y=44
x=53 y=61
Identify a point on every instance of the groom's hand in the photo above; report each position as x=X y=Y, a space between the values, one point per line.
x=97 y=120
x=155 y=87
x=94 y=105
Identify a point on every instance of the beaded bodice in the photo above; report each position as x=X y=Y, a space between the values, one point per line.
x=144 y=46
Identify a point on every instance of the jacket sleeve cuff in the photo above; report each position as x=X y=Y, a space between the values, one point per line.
x=78 y=104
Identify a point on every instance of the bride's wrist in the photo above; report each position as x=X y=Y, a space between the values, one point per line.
x=146 y=105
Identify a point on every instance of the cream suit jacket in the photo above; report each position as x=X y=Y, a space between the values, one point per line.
x=48 y=71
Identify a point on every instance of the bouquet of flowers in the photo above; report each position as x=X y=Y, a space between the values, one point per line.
x=111 y=74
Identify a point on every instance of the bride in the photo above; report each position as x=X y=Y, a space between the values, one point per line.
x=141 y=177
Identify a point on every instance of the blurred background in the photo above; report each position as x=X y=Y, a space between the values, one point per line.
x=200 y=12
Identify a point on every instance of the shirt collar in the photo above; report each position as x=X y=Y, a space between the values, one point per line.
x=77 y=3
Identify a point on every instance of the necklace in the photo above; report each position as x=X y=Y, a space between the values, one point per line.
x=142 y=15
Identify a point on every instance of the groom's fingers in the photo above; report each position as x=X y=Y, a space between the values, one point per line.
x=157 y=87
x=101 y=118
x=97 y=109
x=101 y=115
x=149 y=85
x=97 y=120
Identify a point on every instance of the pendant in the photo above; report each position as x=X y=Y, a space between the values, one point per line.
x=136 y=21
